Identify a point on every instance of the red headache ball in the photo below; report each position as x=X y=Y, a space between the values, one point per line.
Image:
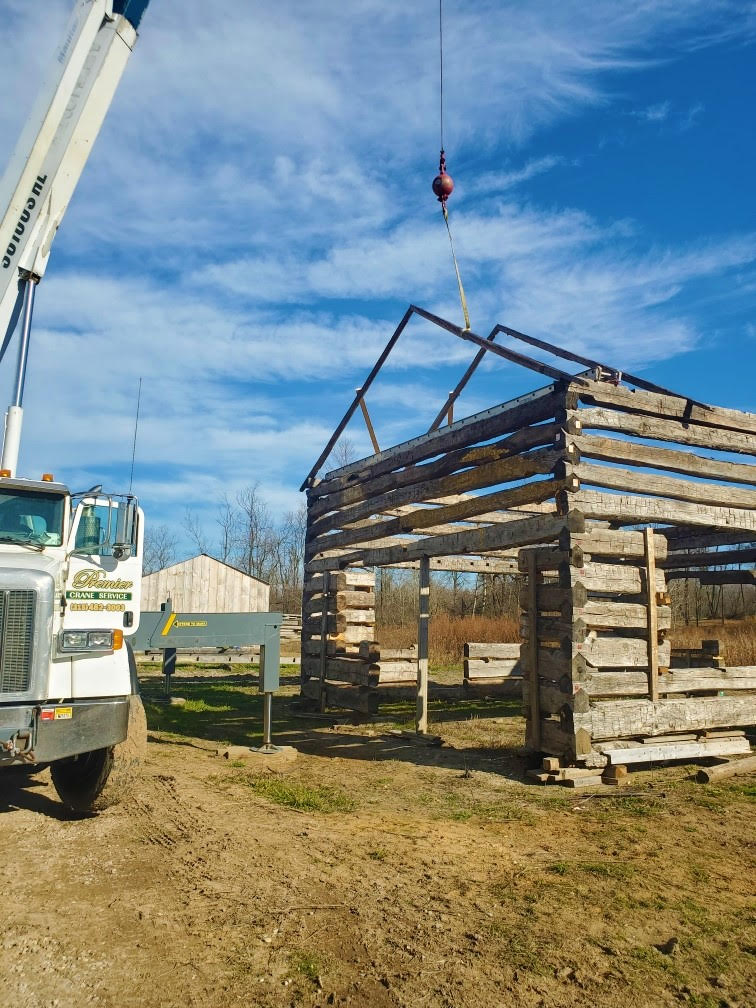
x=443 y=186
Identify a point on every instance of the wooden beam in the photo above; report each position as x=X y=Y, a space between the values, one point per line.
x=672 y=430
x=506 y=418
x=534 y=721
x=368 y=487
x=365 y=386
x=632 y=510
x=539 y=462
x=615 y=478
x=368 y=421
x=652 y=631
x=665 y=406
x=541 y=528
x=421 y=716
x=416 y=521
x=629 y=453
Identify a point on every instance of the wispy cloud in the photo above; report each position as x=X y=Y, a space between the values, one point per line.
x=256 y=215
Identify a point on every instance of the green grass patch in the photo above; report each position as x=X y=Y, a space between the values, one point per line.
x=226 y=710
x=298 y=795
x=307 y=965
x=599 y=869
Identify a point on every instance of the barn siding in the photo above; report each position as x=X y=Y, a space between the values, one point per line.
x=203 y=584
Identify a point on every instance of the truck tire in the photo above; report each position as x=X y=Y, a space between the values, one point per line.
x=95 y=780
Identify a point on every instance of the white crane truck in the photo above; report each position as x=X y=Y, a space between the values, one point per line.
x=70 y=564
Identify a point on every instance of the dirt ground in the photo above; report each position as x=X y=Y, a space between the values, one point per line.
x=392 y=875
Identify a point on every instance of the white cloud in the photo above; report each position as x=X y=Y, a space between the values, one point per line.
x=257 y=213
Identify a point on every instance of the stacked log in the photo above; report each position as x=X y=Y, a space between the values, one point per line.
x=392 y=666
x=338 y=614
x=596 y=662
x=492 y=669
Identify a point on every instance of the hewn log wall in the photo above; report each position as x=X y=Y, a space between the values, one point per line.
x=554 y=478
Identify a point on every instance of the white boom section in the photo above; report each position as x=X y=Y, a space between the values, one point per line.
x=56 y=142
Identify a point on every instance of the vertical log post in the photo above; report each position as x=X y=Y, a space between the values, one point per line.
x=652 y=629
x=421 y=717
x=534 y=736
x=324 y=639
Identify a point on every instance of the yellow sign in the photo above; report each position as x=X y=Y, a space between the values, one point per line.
x=63 y=713
x=168 y=624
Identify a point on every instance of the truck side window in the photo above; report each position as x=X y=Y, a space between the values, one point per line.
x=93 y=535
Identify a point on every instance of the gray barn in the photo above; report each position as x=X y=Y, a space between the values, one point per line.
x=204 y=584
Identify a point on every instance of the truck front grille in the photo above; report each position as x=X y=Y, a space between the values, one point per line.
x=17 y=607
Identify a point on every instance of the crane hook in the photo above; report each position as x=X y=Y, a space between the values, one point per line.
x=443 y=183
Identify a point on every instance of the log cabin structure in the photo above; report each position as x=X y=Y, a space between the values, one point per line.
x=596 y=489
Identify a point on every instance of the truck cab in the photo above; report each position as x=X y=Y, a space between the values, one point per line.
x=70 y=586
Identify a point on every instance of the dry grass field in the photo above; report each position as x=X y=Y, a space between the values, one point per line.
x=449 y=634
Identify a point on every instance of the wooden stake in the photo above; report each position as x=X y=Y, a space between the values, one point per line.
x=368 y=421
x=324 y=640
x=535 y=696
x=421 y=719
x=652 y=629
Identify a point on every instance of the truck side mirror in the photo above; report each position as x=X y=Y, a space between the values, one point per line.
x=125 y=530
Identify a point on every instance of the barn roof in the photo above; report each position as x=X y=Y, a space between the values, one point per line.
x=221 y=563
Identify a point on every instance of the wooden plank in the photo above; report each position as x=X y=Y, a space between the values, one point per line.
x=623 y=718
x=520 y=532
x=355 y=599
x=534 y=707
x=374 y=652
x=677 y=751
x=598 y=614
x=652 y=628
x=621 y=579
x=627 y=652
x=635 y=510
x=616 y=478
x=666 y=406
x=511 y=416
x=423 y=619
x=630 y=453
x=496 y=669
x=634 y=682
x=657 y=429
x=488 y=650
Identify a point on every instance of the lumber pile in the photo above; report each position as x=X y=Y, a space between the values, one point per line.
x=492 y=669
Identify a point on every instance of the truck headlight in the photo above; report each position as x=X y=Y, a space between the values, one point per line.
x=86 y=640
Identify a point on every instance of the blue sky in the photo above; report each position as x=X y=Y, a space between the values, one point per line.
x=257 y=214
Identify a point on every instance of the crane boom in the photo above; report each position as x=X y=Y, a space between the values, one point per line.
x=49 y=158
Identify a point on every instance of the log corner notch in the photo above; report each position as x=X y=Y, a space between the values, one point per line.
x=611 y=492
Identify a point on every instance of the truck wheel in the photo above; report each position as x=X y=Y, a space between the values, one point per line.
x=95 y=780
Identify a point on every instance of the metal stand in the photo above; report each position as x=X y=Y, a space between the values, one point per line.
x=267 y=746
x=169 y=667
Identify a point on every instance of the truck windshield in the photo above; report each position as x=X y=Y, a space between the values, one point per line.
x=29 y=516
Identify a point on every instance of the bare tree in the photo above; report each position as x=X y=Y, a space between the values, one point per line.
x=255 y=537
x=344 y=452
x=160 y=546
x=226 y=521
x=194 y=530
